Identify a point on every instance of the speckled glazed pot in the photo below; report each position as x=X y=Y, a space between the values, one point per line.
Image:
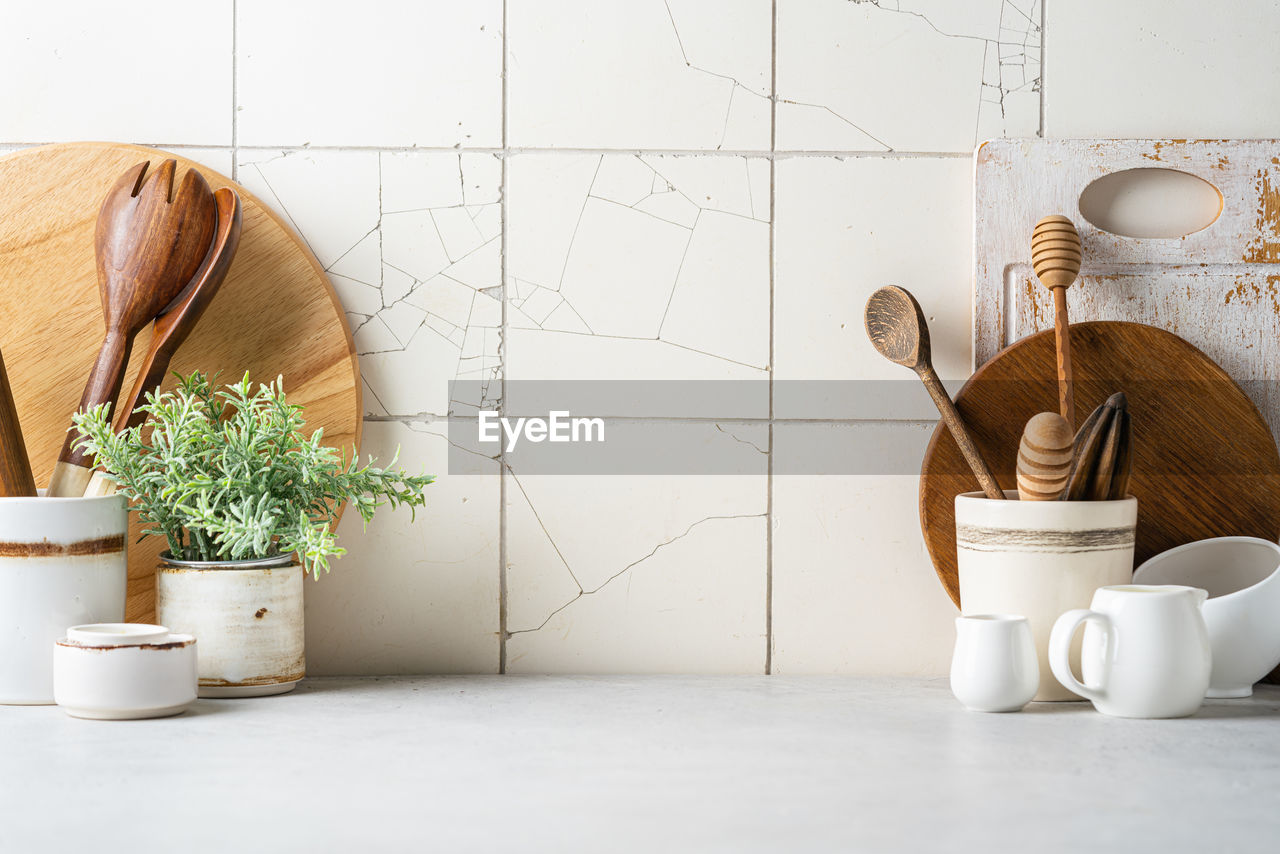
x=1041 y=559
x=247 y=616
x=62 y=563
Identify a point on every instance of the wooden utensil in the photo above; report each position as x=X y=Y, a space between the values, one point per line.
x=1097 y=451
x=276 y=313
x=1055 y=255
x=149 y=243
x=1124 y=461
x=176 y=322
x=898 y=330
x=1202 y=443
x=1044 y=457
x=15 y=467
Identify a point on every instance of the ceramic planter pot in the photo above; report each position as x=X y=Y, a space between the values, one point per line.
x=247 y=616
x=1041 y=559
x=62 y=563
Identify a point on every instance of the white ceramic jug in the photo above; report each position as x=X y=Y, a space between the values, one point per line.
x=994 y=667
x=1146 y=651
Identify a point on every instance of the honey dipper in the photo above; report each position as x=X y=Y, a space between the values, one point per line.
x=1044 y=457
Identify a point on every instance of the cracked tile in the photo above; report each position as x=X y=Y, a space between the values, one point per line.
x=906 y=75
x=636 y=574
x=64 y=76
x=845 y=228
x=413 y=252
x=413 y=596
x=1214 y=67
x=683 y=74
x=394 y=73
x=603 y=289
x=853 y=588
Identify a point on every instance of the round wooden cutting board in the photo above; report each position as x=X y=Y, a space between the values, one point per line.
x=1205 y=462
x=275 y=314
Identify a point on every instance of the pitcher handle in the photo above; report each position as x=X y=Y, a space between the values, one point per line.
x=1060 y=650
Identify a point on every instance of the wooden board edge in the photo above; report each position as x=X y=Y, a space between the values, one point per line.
x=285 y=225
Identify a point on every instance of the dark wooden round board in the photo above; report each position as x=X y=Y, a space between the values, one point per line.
x=1205 y=462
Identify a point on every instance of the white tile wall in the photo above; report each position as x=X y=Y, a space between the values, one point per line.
x=683 y=74
x=610 y=211
x=1162 y=68
x=412 y=242
x=132 y=71
x=386 y=73
x=915 y=75
x=413 y=596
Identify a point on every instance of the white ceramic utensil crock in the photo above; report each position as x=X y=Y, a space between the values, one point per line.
x=994 y=666
x=1146 y=651
x=1040 y=559
x=124 y=671
x=1242 y=575
x=62 y=562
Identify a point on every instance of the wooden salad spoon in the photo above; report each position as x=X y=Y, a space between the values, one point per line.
x=149 y=243
x=899 y=332
x=176 y=322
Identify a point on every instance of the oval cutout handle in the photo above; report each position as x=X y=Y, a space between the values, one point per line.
x=1151 y=203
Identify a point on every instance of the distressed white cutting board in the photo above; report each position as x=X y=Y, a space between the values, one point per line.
x=1218 y=288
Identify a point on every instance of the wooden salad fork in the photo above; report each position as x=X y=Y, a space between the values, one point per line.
x=150 y=243
x=174 y=324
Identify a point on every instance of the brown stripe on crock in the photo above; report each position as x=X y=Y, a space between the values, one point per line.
x=99 y=546
x=980 y=539
x=101 y=647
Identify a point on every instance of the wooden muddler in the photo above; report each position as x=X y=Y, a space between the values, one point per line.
x=1055 y=255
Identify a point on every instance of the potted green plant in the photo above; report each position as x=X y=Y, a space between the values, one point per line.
x=247 y=503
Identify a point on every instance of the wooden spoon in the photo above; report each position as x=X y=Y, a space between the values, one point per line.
x=149 y=244
x=15 y=467
x=899 y=332
x=176 y=322
x=1055 y=255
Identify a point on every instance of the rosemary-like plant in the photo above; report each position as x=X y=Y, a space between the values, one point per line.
x=229 y=474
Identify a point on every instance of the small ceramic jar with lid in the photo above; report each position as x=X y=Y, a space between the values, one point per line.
x=123 y=671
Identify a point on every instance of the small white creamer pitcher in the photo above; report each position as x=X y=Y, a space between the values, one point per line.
x=1146 y=651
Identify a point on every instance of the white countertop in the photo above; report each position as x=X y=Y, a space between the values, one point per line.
x=652 y=764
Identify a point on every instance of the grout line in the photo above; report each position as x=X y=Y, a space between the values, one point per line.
x=661 y=419
x=502 y=368
x=235 y=96
x=768 y=504
x=1044 y=20
x=501 y=151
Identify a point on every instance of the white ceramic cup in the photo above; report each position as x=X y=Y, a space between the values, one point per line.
x=1146 y=651
x=62 y=563
x=994 y=666
x=124 y=671
x=1242 y=575
x=1040 y=559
